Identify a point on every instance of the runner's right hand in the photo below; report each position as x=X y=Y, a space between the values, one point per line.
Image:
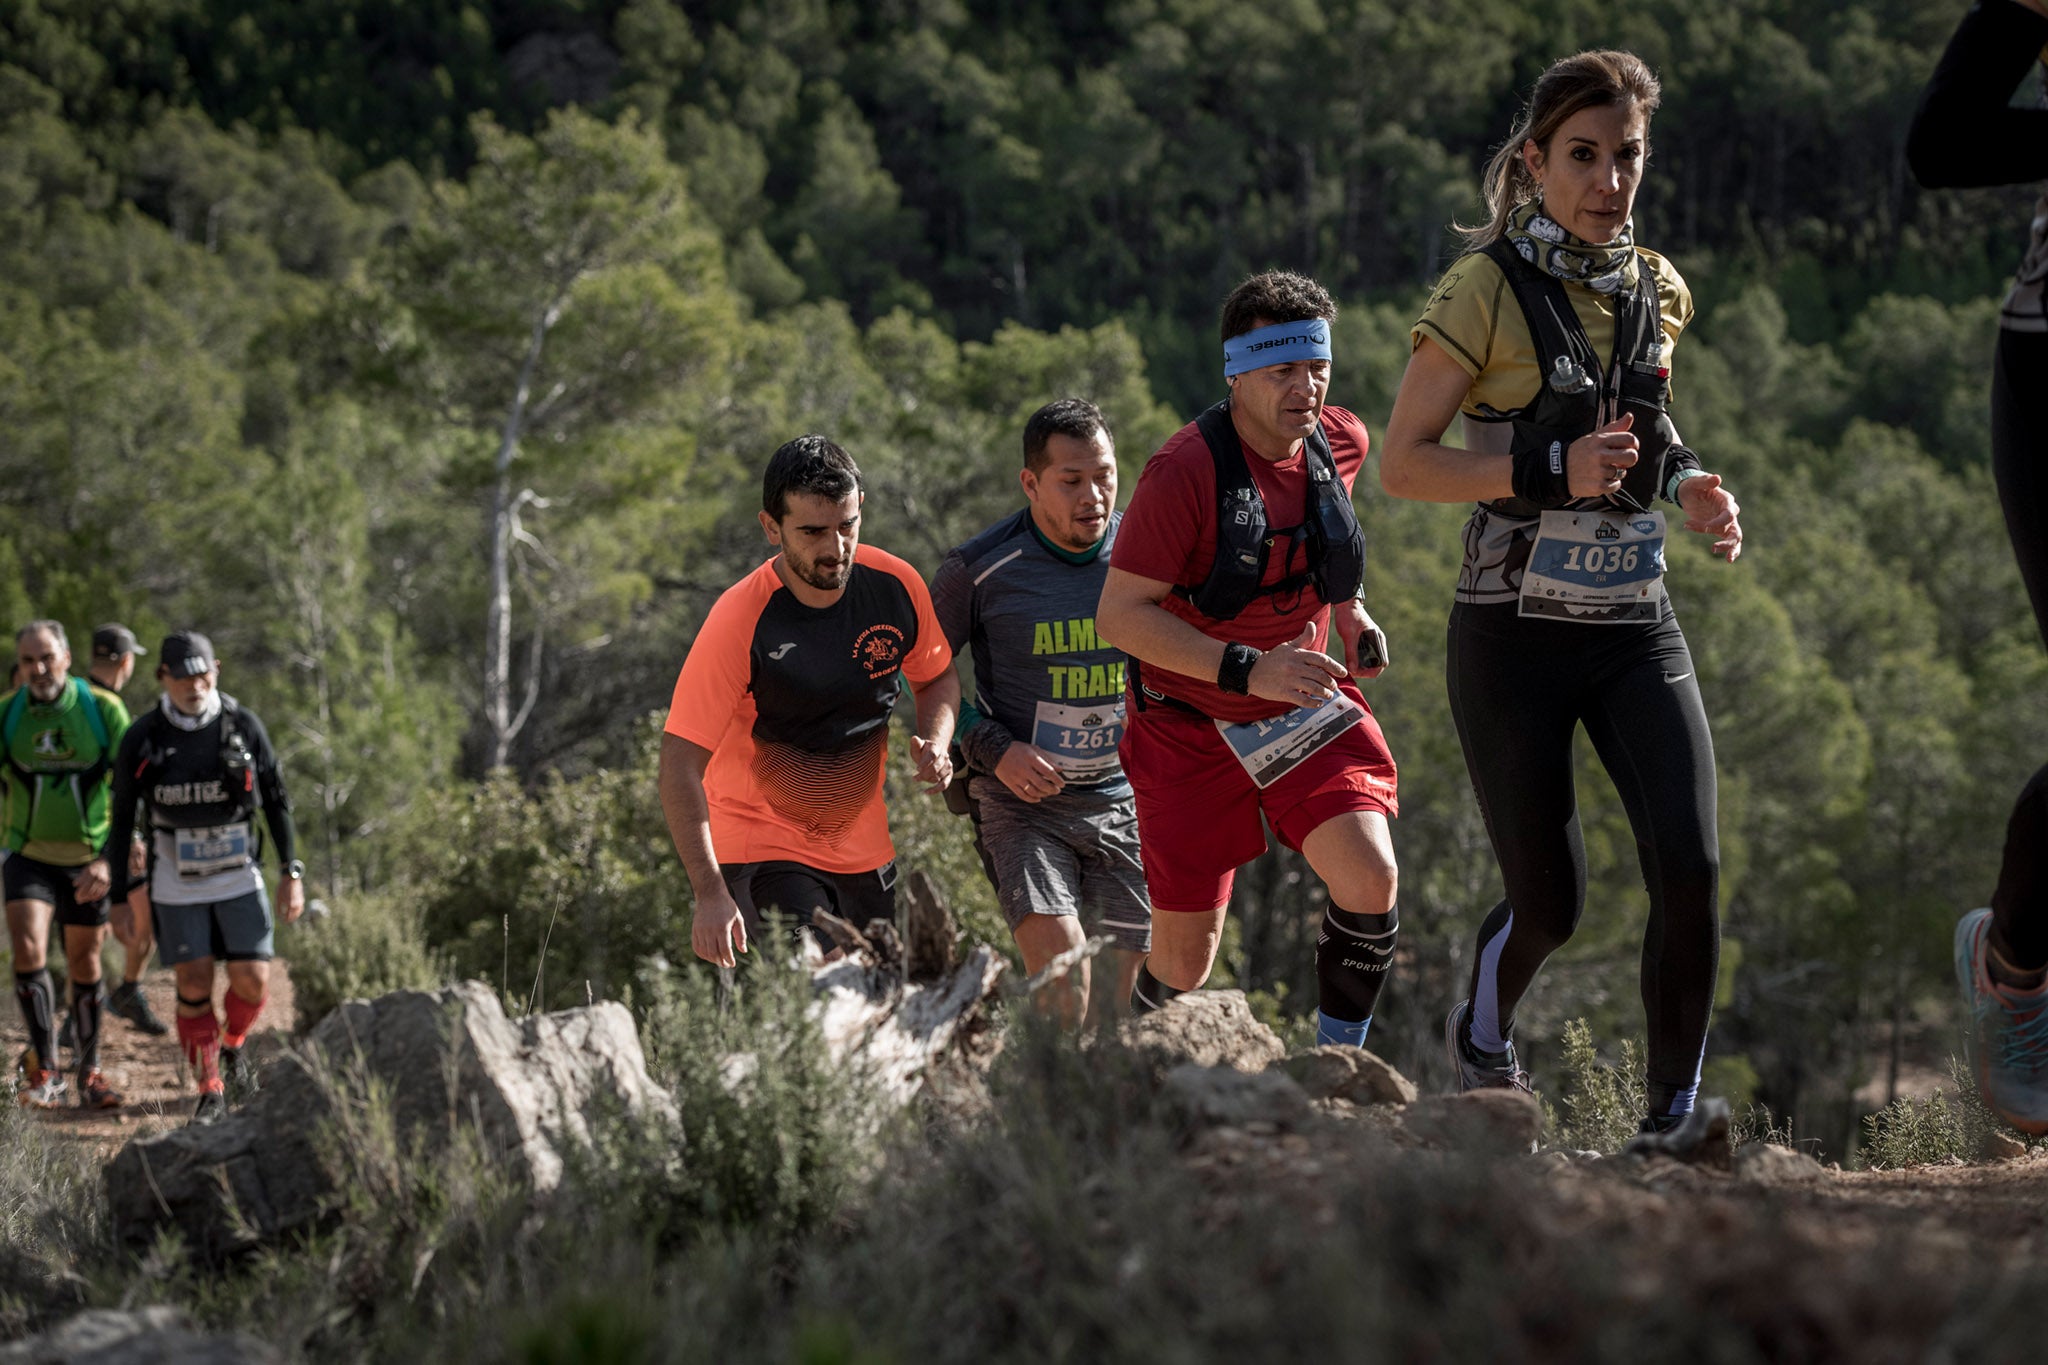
x=716 y=929
x=1028 y=772
x=1597 y=461
x=1296 y=672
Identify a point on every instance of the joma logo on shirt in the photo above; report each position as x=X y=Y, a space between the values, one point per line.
x=190 y=793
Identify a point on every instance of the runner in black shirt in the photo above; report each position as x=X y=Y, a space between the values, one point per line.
x=202 y=766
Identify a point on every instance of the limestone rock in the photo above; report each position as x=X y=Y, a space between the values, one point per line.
x=1998 y=1146
x=1765 y=1163
x=1213 y=1096
x=447 y=1059
x=1482 y=1122
x=1208 y=1028
x=1349 y=1073
x=148 y=1336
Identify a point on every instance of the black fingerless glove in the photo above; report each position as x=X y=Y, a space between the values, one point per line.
x=1539 y=470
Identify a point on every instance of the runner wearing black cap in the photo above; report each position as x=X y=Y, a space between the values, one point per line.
x=114 y=651
x=202 y=765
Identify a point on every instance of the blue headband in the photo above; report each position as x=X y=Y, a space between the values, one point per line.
x=1280 y=344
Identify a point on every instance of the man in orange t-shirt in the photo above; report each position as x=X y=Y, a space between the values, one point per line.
x=772 y=758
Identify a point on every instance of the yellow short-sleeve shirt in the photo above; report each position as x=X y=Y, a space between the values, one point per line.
x=1474 y=317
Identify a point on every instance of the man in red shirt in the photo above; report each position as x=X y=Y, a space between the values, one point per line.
x=772 y=757
x=1239 y=553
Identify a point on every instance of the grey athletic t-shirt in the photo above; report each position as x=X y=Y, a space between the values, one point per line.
x=1040 y=672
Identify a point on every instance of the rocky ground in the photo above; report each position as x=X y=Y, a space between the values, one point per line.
x=149 y=1072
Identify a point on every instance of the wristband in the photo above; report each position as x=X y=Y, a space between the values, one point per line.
x=1539 y=471
x=1235 y=674
x=1687 y=466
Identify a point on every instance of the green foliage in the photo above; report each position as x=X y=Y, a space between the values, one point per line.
x=778 y=1136
x=53 y=1218
x=1603 y=1101
x=555 y=893
x=1910 y=1132
x=366 y=945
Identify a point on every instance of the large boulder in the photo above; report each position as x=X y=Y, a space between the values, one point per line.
x=147 y=1336
x=1208 y=1028
x=448 y=1060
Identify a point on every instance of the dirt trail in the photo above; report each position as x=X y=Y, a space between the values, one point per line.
x=149 y=1072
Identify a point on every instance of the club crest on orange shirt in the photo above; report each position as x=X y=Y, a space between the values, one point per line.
x=879 y=649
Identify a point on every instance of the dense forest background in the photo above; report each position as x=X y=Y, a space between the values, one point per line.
x=426 y=354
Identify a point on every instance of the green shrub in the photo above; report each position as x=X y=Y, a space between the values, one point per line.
x=53 y=1220
x=365 y=946
x=777 y=1135
x=1601 y=1103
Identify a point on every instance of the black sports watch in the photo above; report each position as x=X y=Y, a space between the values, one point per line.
x=295 y=870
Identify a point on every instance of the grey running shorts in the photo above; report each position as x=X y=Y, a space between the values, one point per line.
x=1075 y=853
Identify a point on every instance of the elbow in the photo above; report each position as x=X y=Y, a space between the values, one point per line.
x=1398 y=471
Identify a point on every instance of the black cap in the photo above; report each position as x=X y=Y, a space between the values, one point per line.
x=186 y=654
x=113 y=641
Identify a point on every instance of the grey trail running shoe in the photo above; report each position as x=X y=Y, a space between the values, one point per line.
x=238 y=1074
x=128 y=1001
x=2006 y=1032
x=1474 y=1070
x=212 y=1108
x=1698 y=1137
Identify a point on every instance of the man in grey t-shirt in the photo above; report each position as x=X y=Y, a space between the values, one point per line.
x=1056 y=820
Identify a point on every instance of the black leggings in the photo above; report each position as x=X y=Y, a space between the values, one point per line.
x=1520 y=688
x=2019 y=461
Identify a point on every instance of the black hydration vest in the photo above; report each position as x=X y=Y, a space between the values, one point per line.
x=1336 y=543
x=1572 y=396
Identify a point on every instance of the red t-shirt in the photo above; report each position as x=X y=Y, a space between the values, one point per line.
x=1169 y=534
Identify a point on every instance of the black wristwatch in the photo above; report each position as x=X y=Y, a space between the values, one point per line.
x=295 y=871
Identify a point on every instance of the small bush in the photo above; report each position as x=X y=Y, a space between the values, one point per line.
x=777 y=1134
x=366 y=946
x=1602 y=1103
x=1941 y=1128
x=53 y=1221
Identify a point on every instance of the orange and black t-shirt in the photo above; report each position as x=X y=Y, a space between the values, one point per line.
x=793 y=702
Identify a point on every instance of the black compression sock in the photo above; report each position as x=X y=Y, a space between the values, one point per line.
x=87 y=1005
x=1149 y=993
x=1353 y=955
x=38 y=998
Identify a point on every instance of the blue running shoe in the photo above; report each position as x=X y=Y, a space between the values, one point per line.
x=2007 y=1032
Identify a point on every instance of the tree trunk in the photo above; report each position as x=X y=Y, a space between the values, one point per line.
x=498 y=615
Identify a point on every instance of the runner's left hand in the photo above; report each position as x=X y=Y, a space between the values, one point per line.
x=1712 y=510
x=92 y=881
x=292 y=894
x=934 y=765
x=1353 y=625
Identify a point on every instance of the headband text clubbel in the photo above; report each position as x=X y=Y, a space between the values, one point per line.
x=1280 y=344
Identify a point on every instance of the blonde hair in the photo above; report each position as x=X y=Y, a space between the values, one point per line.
x=1587 y=80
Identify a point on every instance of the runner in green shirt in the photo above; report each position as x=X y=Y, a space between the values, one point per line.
x=58 y=735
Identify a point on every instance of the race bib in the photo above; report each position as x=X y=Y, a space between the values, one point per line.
x=1271 y=749
x=212 y=850
x=1080 y=740
x=1601 y=567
